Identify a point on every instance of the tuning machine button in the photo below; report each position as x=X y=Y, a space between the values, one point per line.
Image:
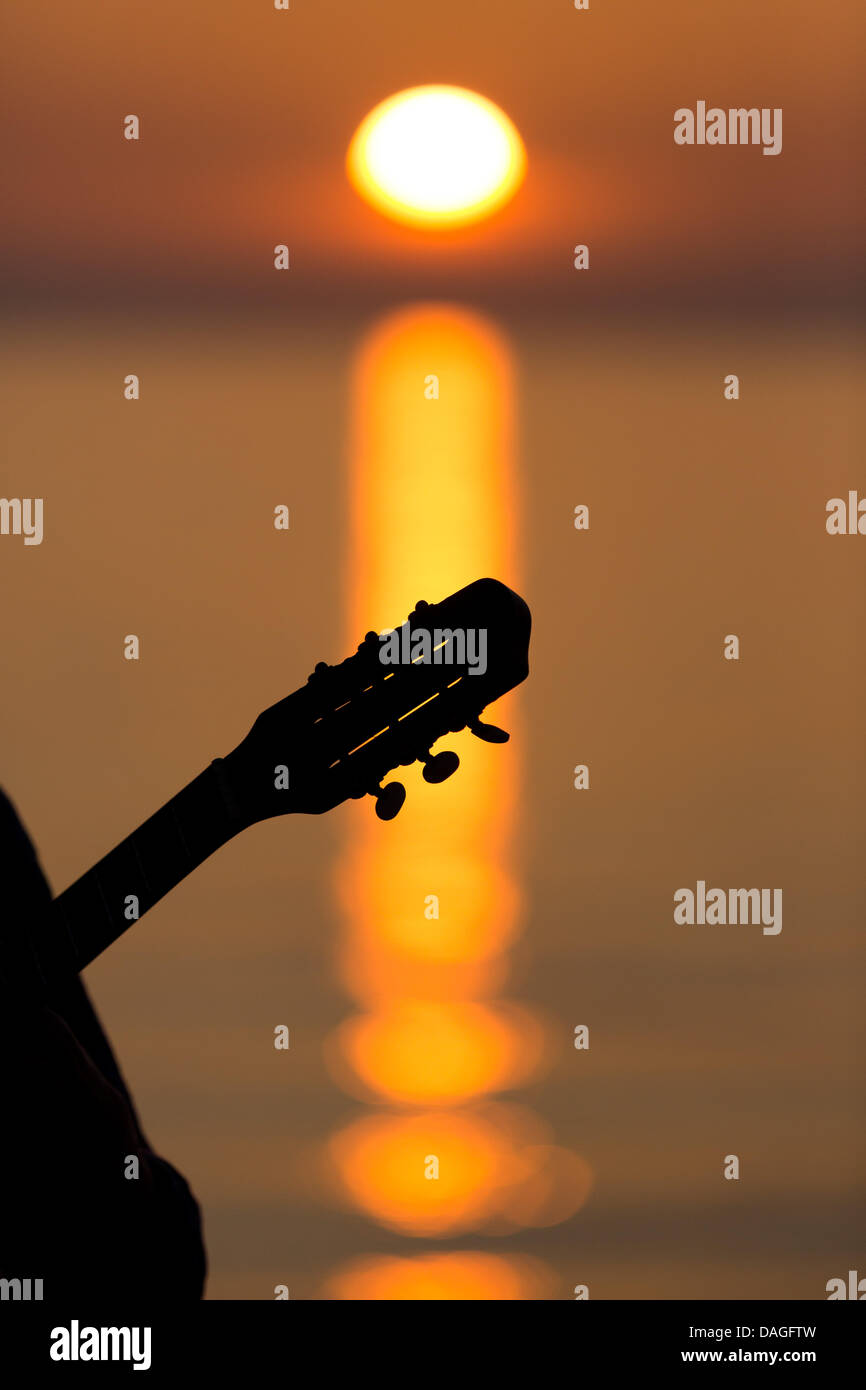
x=418 y=611
x=389 y=799
x=437 y=768
x=488 y=732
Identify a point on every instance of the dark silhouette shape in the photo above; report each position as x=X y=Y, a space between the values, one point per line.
x=68 y=1214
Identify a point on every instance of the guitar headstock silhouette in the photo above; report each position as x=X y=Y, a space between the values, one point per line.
x=385 y=706
x=335 y=738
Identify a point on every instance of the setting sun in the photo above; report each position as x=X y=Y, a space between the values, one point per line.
x=436 y=156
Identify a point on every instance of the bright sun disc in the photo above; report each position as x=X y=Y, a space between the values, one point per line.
x=436 y=156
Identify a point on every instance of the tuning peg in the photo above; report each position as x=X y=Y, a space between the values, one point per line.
x=437 y=768
x=488 y=732
x=389 y=799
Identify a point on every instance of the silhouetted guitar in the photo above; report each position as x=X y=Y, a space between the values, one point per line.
x=336 y=737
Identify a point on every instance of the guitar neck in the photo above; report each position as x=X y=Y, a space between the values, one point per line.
x=101 y=905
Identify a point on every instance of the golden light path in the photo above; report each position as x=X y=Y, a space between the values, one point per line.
x=433 y=506
x=434 y=1051
x=467 y=1275
x=436 y=156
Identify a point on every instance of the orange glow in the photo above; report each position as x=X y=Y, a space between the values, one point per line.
x=425 y=1052
x=442 y=1172
x=433 y=506
x=385 y=1166
x=461 y=1275
x=433 y=495
x=431 y=902
x=436 y=156
x=376 y=973
x=478 y=900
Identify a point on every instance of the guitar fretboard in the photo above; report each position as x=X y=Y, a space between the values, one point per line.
x=106 y=901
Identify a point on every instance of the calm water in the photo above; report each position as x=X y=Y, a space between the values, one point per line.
x=453 y=1035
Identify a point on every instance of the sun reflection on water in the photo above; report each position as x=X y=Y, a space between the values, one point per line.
x=431 y=902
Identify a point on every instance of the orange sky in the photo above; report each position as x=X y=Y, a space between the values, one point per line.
x=246 y=114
